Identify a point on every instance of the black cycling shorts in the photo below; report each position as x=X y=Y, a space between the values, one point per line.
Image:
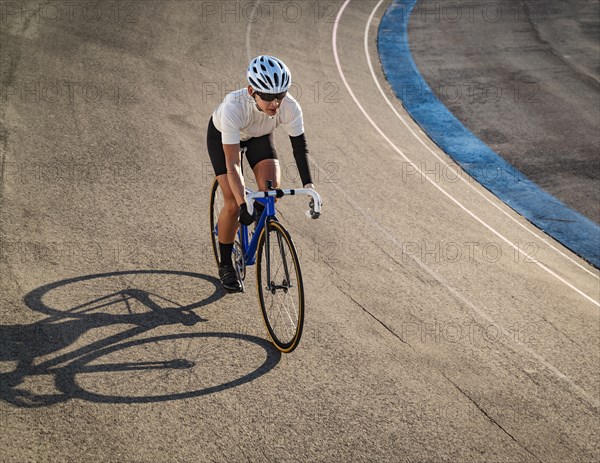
x=257 y=149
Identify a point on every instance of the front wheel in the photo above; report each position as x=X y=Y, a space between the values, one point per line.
x=280 y=288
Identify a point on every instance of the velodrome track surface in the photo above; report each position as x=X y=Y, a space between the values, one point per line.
x=441 y=325
x=522 y=76
x=507 y=55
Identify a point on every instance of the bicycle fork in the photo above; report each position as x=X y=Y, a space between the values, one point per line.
x=272 y=286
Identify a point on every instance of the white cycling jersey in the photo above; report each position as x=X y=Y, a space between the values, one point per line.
x=238 y=118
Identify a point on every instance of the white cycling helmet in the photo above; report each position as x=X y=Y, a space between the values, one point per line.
x=269 y=75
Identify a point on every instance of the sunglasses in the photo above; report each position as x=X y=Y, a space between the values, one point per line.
x=271 y=96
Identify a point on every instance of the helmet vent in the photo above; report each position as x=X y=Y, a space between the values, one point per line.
x=252 y=82
x=263 y=85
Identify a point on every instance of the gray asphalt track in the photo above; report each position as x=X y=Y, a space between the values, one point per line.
x=440 y=325
x=523 y=77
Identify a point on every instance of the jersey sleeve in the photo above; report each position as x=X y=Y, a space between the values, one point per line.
x=293 y=120
x=231 y=123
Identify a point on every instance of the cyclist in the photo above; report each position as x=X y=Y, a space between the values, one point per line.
x=246 y=119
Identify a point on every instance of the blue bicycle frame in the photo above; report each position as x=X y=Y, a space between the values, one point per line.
x=249 y=246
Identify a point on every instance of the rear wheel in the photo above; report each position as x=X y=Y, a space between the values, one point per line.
x=216 y=204
x=280 y=288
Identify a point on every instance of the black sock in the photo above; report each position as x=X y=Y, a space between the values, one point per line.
x=225 y=251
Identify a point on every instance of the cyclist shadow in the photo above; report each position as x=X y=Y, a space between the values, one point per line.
x=37 y=348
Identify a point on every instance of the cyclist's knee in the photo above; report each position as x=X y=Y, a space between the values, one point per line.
x=230 y=206
x=267 y=169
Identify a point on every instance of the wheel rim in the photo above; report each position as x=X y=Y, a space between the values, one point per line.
x=216 y=204
x=281 y=295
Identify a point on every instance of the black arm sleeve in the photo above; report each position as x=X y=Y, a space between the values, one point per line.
x=301 y=155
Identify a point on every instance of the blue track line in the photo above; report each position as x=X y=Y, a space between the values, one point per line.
x=566 y=225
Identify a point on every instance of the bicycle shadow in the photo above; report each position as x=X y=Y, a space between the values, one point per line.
x=37 y=349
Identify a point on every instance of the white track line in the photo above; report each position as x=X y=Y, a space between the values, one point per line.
x=438 y=187
x=248 y=28
x=589 y=398
x=470 y=184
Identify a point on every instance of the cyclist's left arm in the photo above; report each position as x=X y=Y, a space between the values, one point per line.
x=294 y=123
x=300 y=150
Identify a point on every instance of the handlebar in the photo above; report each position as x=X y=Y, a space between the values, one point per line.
x=315 y=209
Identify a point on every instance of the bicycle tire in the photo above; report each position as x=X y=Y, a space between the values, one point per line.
x=283 y=316
x=216 y=204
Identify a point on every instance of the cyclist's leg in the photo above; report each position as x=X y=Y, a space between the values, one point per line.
x=228 y=224
x=262 y=157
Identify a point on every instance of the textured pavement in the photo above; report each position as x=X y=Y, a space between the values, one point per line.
x=441 y=326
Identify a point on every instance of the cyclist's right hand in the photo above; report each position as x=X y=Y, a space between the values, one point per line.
x=244 y=217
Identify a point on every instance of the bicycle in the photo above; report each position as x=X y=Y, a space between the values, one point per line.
x=278 y=275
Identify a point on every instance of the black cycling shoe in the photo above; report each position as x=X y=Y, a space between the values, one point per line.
x=229 y=279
